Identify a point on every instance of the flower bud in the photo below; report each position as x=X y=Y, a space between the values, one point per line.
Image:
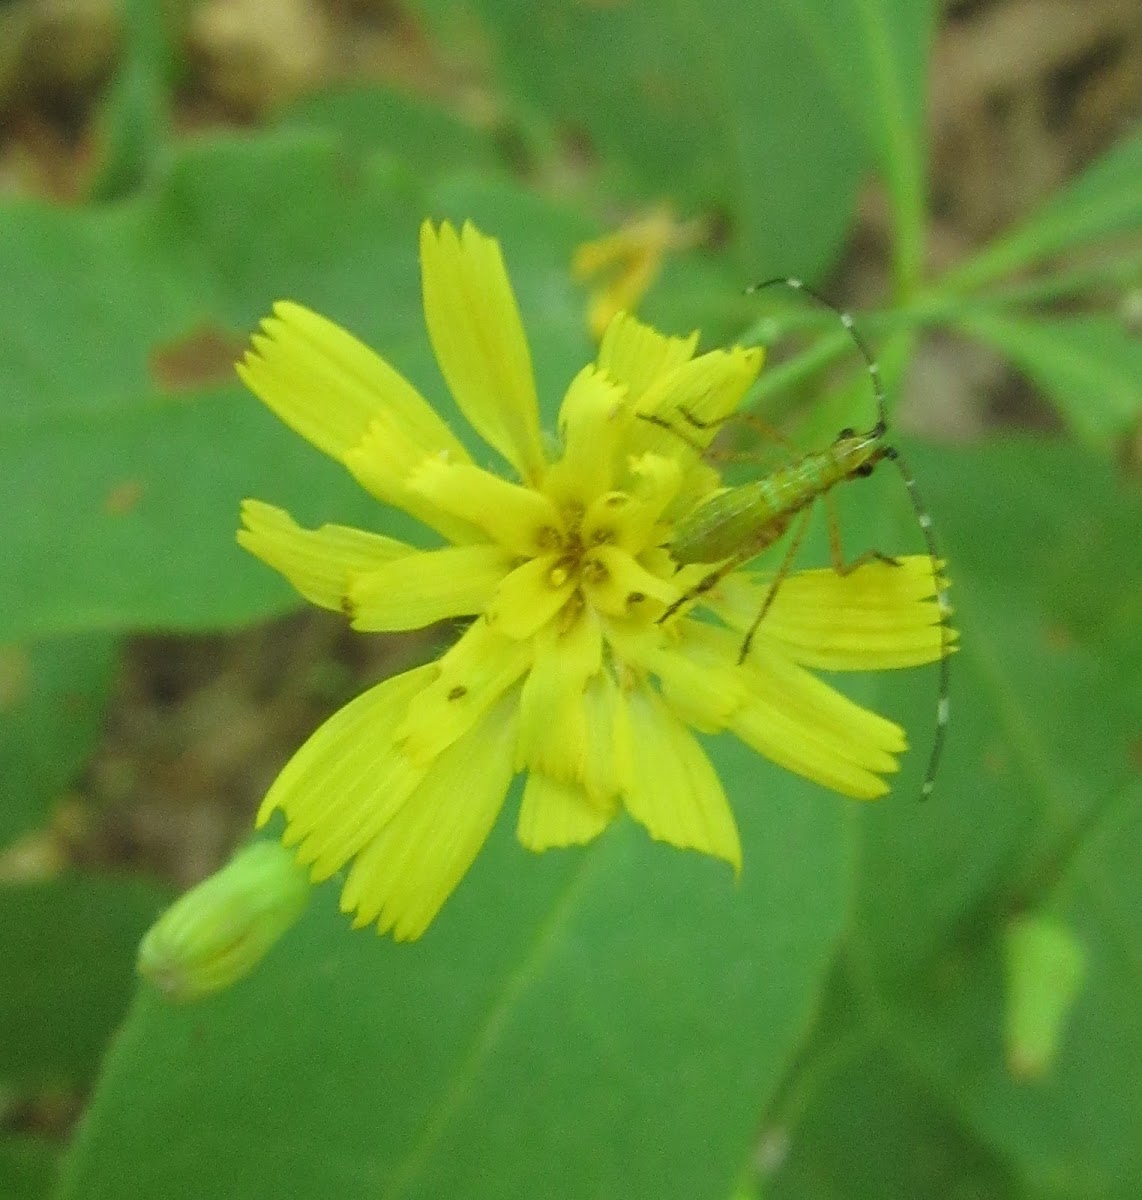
x=1045 y=965
x=219 y=931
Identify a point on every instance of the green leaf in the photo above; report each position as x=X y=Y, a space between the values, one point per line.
x=597 y=1022
x=1034 y=807
x=1105 y=201
x=134 y=121
x=413 y=130
x=1045 y=585
x=27 y=1166
x=1090 y=366
x=904 y=1088
x=856 y=1122
x=69 y=955
x=125 y=451
x=877 y=53
x=52 y=697
x=712 y=108
x=1074 y=1134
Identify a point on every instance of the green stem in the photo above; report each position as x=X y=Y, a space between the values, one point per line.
x=784 y=378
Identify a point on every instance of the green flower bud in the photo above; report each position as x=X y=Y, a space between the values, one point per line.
x=1046 y=965
x=219 y=931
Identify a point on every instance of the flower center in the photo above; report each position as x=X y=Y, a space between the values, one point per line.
x=575 y=546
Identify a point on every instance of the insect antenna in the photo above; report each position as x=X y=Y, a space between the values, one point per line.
x=923 y=517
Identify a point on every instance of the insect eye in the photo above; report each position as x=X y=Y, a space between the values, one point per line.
x=864 y=470
x=846 y=433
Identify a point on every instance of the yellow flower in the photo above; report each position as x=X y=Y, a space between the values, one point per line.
x=625 y=263
x=564 y=674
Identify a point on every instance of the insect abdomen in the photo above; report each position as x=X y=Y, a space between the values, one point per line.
x=755 y=514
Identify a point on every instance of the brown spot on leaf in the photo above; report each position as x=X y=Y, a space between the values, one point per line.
x=204 y=356
x=15 y=673
x=1059 y=638
x=122 y=497
x=995 y=761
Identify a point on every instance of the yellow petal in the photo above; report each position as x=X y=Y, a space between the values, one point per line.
x=607 y=766
x=616 y=584
x=876 y=618
x=554 y=813
x=675 y=791
x=530 y=597
x=328 y=386
x=654 y=480
x=619 y=519
x=688 y=406
x=471 y=679
x=707 y=388
x=808 y=727
x=622 y=294
x=634 y=354
x=476 y=332
x=520 y=518
x=428 y=586
x=414 y=864
x=631 y=258
x=697 y=671
x=384 y=462
x=592 y=423
x=553 y=733
x=318 y=562
x=347 y=780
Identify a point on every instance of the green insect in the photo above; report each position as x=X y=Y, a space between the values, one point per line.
x=736 y=525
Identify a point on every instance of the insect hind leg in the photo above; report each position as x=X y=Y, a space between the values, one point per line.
x=782 y=571
x=706 y=584
x=837 y=555
x=769 y=432
x=663 y=423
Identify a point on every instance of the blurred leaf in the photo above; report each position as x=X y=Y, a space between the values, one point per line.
x=724 y=107
x=1090 y=366
x=27 y=1166
x=1033 y=803
x=125 y=448
x=904 y=1088
x=133 y=121
x=52 y=696
x=856 y=1122
x=371 y=119
x=1105 y=201
x=877 y=53
x=598 y=1022
x=69 y=958
x=1073 y=1135
x=1041 y=730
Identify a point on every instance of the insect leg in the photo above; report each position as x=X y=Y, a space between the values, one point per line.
x=837 y=555
x=762 y=426
x=663 y=423
x=787 y=562
x=707 y=583
x=789 y=452
x=772 y=532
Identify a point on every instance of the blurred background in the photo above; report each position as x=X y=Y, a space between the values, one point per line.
x=961 y=1020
